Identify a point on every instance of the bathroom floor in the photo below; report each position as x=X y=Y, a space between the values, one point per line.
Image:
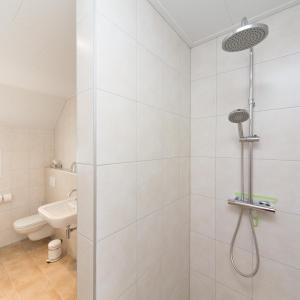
x=25 y=275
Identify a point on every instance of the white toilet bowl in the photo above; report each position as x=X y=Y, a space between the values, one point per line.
x=35 y=227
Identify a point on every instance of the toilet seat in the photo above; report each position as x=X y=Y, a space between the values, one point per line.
x=29 y=223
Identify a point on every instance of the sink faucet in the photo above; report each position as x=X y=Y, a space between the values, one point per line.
x=73 y=167
x=72 y=192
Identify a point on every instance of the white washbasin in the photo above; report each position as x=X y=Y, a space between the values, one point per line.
x=61 y=213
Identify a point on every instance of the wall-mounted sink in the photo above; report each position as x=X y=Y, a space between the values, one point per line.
x=61 y=213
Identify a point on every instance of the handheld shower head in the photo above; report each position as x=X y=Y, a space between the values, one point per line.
x=239 y=116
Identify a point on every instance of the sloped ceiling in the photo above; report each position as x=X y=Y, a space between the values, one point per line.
x=197 y=21
x=37 y=61
x=37 y=45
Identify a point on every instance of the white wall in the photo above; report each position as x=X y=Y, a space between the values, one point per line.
x=140 y=103
x=24 y=154
x=28 y=109
x=220 y=85
x=65 y=135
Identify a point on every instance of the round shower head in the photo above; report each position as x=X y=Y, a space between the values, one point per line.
x=245 y=37
x=238 y=116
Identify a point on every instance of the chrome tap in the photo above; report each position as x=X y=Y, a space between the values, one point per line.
x=73 y=167
x=72 y=192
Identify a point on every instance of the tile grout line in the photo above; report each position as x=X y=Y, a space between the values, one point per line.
x=215 y=174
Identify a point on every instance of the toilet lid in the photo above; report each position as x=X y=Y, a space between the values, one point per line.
x=29 y=222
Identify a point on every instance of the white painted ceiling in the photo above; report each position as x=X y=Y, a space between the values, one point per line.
x=197 y=21
x=37 y=45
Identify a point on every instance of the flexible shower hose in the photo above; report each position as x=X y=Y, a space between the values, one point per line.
x=253 y=273
x=232 y=259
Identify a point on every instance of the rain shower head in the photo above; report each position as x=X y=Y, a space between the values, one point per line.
x=245 y=37
x=239 y=116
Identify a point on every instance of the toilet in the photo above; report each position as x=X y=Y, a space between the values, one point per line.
x=35 y=227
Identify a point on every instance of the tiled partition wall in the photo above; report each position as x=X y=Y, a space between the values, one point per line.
x=220 y=85
x=142 y=90
x=86 y=163
x=133 y=130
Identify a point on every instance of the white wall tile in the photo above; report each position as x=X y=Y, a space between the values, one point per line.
x=83 y=9
x=117 y=60
x=116 y=267
x=116 y=197
x=277 y=236
x=149 y=242
x=283 y=38
x=171 y=180
x=122 y=13
x=224 y=293
x=202 y=257
x=85 y=267
x=277 y=83
x=6 y=220
x=184 y=136
x=85 y=193
x=84 y=47
x=203 y=137
x=85 y=117
x=276 y=281
x=174 y=265
x=184 y=177
x=150 y=78
x=175 y=220
x=201 y=287
x=149 y=285
x=150 y=195
x=149 y=133
x=203 y=176
x=204 y=61
x=232 y=91
x=116 y=129
x=130 y=294
x=150 y=28
x=278 y=179
x=226 y=274
x=204 y=97
x=172 y=43
x=171 y=135
x=172 y=90
x=203 y=215
x=279 y=140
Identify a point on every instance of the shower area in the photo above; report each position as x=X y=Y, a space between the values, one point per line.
x=188 y=151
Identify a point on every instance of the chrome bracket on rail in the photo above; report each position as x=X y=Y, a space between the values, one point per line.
x=250 y=139
x=259 y=205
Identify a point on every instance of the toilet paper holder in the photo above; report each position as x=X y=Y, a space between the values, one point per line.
x=6 y=197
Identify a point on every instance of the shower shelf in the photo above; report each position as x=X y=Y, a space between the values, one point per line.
x=261 y=205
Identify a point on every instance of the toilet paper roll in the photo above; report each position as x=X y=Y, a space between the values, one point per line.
x=7 y=197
